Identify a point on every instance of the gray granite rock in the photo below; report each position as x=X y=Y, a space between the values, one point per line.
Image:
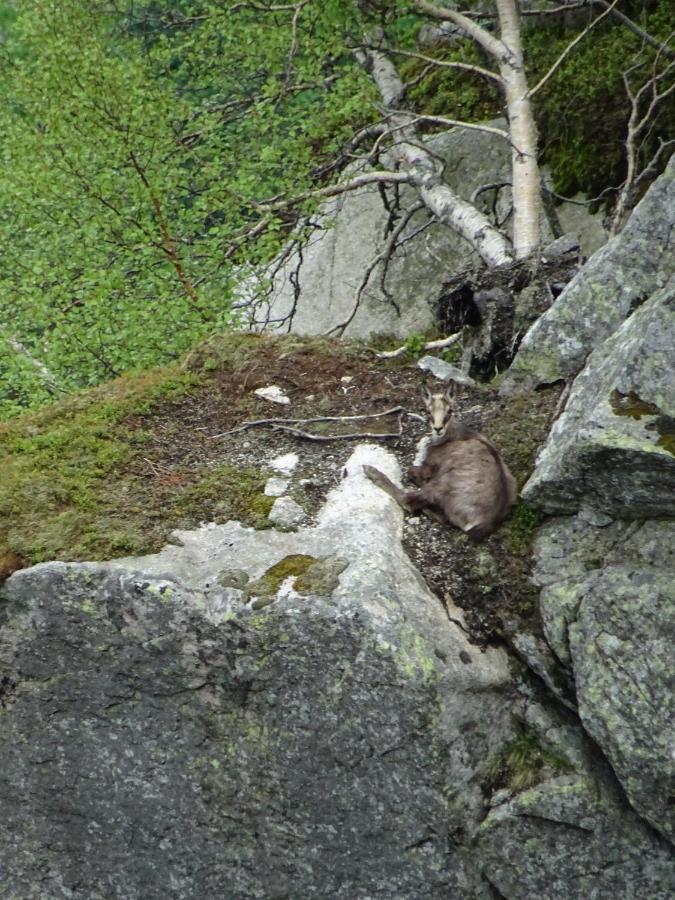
x=608 y=611
x=617 y=279
x=613 y=448
x=571 y=838
x=160 y=738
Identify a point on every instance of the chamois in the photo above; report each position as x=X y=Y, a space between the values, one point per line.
x=463 y=480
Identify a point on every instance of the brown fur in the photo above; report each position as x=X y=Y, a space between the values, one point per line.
x=463 y=480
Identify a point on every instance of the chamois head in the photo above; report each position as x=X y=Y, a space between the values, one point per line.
x=441 y=406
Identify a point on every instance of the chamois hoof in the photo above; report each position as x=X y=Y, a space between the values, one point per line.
x=375 y=475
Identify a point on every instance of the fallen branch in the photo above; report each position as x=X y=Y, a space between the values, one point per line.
x=430 y=345
x=360 y=435
x=334 y=190
x=283 y=422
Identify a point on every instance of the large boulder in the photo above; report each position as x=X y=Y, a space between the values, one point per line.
x=246 y=714
x=608 y=611
x=616 y=280
x=573 y=838
x=314 y=289
x=613 y=448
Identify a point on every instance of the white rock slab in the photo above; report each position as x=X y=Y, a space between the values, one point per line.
x=272 y=393
x=275 y=486
x=285 y=464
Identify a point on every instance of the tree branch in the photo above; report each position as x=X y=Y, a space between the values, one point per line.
x=167 y=240
x=423 y=172
x=254 y=423
x=449 y=64
x=336 y=189
x=563 y=56
x=480 y=35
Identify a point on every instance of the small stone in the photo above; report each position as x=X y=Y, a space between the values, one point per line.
x=275 y=486
x=286 y=512
x=595 y=517
x=443 y=371
x=273 y=393
x=285 y=464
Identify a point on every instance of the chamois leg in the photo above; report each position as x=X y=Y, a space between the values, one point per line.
x=412 y=501
x=387 y=485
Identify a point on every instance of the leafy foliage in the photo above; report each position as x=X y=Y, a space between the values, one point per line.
x=139 y=142
x=136 y=143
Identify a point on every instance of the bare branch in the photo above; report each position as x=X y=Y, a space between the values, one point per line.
x=449 y=64
x=359 y=435
x=168 y=242
x=639 y=127
x=335 y=190
x=430 y=345
x=492 y=186
x=563 y=56
x=255 y=423
x=382 y=257
x=635 y=28
x=456 y=123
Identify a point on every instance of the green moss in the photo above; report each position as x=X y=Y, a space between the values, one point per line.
x=265 y=587
x=228 y=492
x=519 y=529
x=634 y=406
x=451 y=92
x=312 y=576
x=233 y=351
x=631 y=405
x=224 y=351
x=75 y=483
x=522 y=763
x=582 y=111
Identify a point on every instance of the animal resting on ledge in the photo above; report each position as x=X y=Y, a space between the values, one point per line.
x=463 y=480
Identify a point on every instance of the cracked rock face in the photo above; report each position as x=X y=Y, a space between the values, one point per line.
x=573 y=839
x=618 y=278
x=609 y=617
x=613 y=448
x=160 y=738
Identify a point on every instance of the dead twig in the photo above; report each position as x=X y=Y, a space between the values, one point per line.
x=568 y=49
x=254 y=423
x=359 y=435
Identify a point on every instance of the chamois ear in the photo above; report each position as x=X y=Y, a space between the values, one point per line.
x=451 y=390
x=425 y=392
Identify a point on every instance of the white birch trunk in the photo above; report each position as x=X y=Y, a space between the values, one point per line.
x=526 y=177
x=508 y=54
x=408 y=154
